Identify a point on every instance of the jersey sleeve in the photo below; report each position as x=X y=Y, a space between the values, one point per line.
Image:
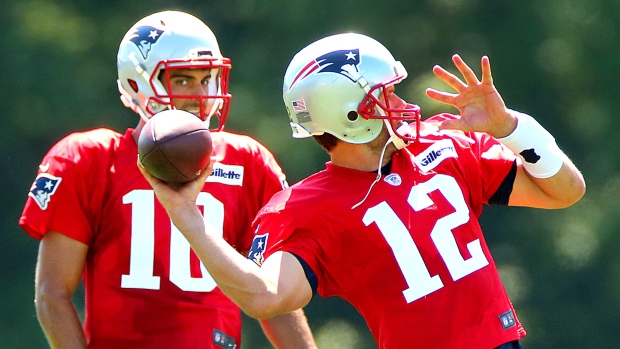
x=68 y=187
x=308 y=237
x=495 y=163
x=489 y=161
x=279 y=234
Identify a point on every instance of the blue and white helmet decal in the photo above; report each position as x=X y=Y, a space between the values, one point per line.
x=44 y=186
x=342 y=62
x=144 y=37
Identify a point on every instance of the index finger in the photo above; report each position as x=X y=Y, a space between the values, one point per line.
x=449 y=78
x=207 y=172
x=149 y=177
x=468 y=74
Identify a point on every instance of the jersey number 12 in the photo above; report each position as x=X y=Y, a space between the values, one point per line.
x=419 y=280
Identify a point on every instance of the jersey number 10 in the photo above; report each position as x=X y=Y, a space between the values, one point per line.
x=142 y=257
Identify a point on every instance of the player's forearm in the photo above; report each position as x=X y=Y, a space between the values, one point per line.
x=557 y=182
x=239 y=278
x=289 y=330
x=564 y=188
x=60 y=322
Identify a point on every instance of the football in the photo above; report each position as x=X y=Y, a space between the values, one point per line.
x=175 y=146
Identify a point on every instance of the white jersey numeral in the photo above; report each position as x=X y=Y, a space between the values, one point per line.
x=142 y=253
x=419 y=280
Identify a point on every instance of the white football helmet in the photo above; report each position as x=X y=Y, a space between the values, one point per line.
x=333 y=85
x=164 y=41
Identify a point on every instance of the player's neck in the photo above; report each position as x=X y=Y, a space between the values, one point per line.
x=359 y=156
x=136 y=132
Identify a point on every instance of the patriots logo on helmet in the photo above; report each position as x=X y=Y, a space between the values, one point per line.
x=43 y=188
x=258 y=248
x=343 y=62
x=144 y=37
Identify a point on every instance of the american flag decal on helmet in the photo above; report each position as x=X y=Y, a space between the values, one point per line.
x=299 y=106
x=339 y=62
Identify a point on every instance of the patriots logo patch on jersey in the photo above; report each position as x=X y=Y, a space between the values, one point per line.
x=43 y=188
x=343 y=62
x=257 y=250
x=144 y=37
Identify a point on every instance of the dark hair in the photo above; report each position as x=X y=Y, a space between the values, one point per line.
x=327 y=140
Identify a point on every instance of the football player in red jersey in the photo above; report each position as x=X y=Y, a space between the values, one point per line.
x=391 y=225
x=98 y=218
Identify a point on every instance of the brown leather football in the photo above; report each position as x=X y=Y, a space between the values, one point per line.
x=175 y=146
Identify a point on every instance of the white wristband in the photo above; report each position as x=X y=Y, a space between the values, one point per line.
x=541 y=156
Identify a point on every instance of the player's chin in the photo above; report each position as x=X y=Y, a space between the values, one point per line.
x=195 y=112
x=191 y=108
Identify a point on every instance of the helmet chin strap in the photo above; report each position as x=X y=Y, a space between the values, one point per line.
x=378 y=174
x=398 y=142
x=403 y=129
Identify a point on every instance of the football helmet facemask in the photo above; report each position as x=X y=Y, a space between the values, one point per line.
x=160 y=43
x=338 y=85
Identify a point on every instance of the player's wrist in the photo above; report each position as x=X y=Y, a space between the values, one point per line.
x=187 y=217
x=507 y=126
x=540 y=154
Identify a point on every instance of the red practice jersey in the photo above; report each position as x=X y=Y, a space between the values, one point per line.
x=145 y=287
x=411 y=258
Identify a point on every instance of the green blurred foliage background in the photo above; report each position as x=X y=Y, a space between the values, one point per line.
x=554 y=59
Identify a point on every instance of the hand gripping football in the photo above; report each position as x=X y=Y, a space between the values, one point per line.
x=175 y=146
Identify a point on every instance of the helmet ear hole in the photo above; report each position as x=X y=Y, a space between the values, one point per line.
x=133 y=84
x=352 y=115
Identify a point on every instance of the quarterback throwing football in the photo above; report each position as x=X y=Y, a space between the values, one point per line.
x=391 y=225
